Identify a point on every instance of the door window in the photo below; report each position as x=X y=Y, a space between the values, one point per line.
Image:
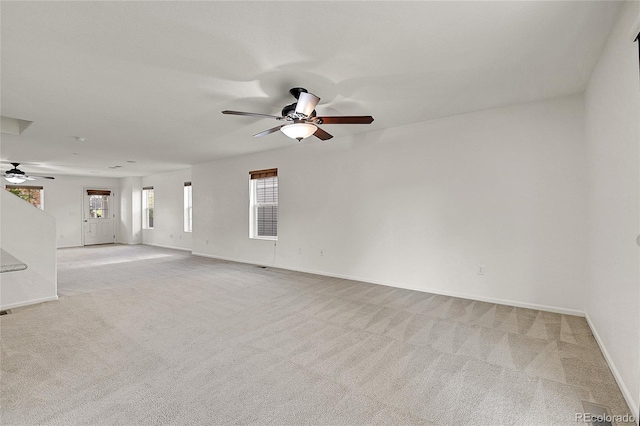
x=99 y=206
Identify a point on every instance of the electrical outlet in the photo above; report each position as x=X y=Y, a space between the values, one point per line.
x=206 y=241
x=480 y=269
x=170 y=235
x=321 y=252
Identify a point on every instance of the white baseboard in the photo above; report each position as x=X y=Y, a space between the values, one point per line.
x=546 y=308
x=508 y=302
x=116 y=243
x=28 y=302
x=168 y=247
x=614 y=370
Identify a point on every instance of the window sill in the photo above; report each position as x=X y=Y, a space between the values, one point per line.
x=264 y=238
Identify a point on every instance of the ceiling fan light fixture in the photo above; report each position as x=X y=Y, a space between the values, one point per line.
x=299 y=131
x=301 y=119
x=14 y=179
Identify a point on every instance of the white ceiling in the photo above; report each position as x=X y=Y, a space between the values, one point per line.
x=146 y=81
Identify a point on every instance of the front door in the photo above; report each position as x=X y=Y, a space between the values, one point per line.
x=99 y=217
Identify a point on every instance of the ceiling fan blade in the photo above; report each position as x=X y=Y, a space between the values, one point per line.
x=321 y=134
x=252 y=114
x=307 y=103
x=346 y=119
x=41 y=177
x=25 y=177
x=268 y=132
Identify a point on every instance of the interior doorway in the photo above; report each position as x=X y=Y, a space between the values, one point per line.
x=99 y=217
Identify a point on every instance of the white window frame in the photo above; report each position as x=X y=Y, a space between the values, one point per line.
x=188 y=207
x=145 y=207
x=253 y=212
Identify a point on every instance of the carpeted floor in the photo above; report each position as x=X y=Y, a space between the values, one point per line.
x=144 y=335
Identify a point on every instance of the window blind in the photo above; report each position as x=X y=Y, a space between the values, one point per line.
x=187 y=184
x=267 y=221
x=267 y=203
x=264 y=212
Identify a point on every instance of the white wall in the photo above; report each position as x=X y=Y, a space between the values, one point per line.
x=421 y=206
x=612 y=108
x=130 y=224
x=29 y=234
x=64 y=198
x=168 y=214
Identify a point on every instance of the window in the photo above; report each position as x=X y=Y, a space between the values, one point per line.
x=147 y=207
x=31 y=194
x=188 y=207
x=98 y=203
x=263 y=191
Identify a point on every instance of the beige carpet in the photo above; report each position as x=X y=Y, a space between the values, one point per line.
x=143 y=335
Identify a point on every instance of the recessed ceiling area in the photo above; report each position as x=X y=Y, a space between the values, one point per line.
x=13 y=126
x=148 y=80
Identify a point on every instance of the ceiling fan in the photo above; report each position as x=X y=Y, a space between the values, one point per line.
x=301 y=119
x=16 y=175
